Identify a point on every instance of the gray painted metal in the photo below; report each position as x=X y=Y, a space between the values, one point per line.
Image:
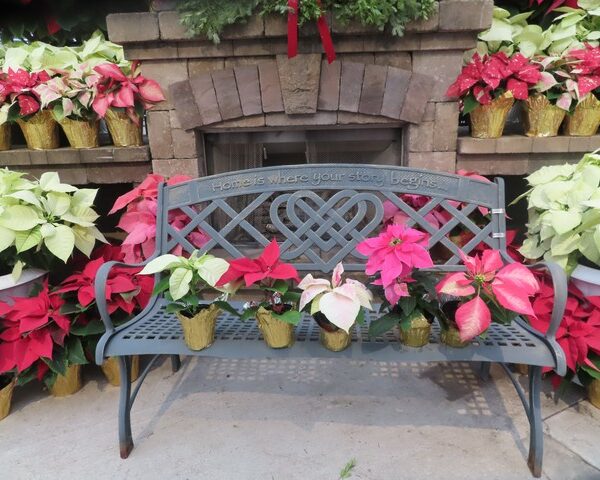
x=323 y=212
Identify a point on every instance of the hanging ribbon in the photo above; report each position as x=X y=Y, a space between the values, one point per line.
x=322 y=26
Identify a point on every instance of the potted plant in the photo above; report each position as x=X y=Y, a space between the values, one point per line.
x=187 y=278
x=5 y=126
x=69 y=96
x=122 y=98
x=487 y=291
x=488 y=86
x=336 y=306
x=564 y=219
x=7 y=386
x=277 y=314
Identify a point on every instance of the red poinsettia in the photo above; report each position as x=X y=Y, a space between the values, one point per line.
x=19 y=86
x=555 y=4
x=32 y=326
x=585 y=69
x=484 y=79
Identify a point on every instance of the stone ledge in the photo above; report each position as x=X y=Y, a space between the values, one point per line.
x=132 y=27
x=511 y=144
x=72 y=156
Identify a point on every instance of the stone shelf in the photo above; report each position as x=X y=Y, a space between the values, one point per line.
x=102 y=165
x=518 y=154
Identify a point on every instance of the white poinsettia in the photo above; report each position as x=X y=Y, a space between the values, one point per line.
x=339 y=301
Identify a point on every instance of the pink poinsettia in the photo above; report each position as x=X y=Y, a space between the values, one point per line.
x=339 y=301
x=395 y=253
x=488 y=282
x=18 y=88
x=395 y=290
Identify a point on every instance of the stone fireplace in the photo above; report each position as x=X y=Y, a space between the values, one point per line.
x=242 y=103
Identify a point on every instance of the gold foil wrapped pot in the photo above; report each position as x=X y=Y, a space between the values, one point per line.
x=584 y=121
x=123 y=131
x=112 y=372
x=277 y=333
x=69 y=383
x=81 y=133
x=487 y=121
x=540 y=117
x=418 y=331
x=335 y=341
x=40 y=131
x=199 y=330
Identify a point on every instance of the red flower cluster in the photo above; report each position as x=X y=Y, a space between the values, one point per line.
x=18 y=86
x=585 y=67
x=32 y=326
x=487 y=78
x=579 y=331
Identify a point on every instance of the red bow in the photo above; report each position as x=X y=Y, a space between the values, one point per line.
x=321 y=25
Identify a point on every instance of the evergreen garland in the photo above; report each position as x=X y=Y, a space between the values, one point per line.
x=209 y=17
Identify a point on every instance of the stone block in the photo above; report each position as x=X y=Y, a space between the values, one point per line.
x=63 y=156
x=345 y=118
x=386 y=43
x=9 y=158
x=151 y=51
x=550 y=145
x=206 y=99
x=198 y=67
x=36 y=157
x=371 y=97
x=255 y=121
x=494 y=164
x=275 y=26
x=514 y=144
x=184 y=144
x=366 y=58
x=283 y=120
x=131 y=154
x=350 y=45
x=476 y=146
x=443 y=66
x=259 y=47
x=184 y=102
x=420 y=137
x=97 y=155
x=70 y=175
x=353 y=27
x=580 y=144
x=270 y=88
x=396 y=87
x=401 y=60
x=429 y=25
x=329 y=88
x=204 y=49
x=117 y=173
x=351 y=86
x=246 y=61
x=429 y=114
x=448 y=41
x=417 y=96
x=437 y=161
x=446 y=127
x=253 y=28
x=159 y=134
x=299 y=79
x=132 y=27
x=174 y=119
x=166 y=73
x=227 y=94
x=181 y=166
x=170 y=27
x=457 y=15
x=161 y=5
x=248 y=86
x=594 y=143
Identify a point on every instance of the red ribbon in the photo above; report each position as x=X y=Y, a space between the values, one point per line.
x=322 y=26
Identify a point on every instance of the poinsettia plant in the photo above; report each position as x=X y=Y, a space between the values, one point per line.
x=272 y=276
x=486 y=78
x=336 y=304
x=19 y=91
x=130 y=92
x=584 y=69
x=488 y=290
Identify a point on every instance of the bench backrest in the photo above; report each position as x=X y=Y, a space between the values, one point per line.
x=321 y=212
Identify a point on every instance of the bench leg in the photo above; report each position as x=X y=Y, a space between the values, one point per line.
x=125 y=438
x=536 y=436
x=484 y=370
x=175 y=363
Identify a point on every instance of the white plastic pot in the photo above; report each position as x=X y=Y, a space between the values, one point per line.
x=587 y=280
x=21 y=288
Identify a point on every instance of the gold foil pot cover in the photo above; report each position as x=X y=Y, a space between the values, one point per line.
x=417 y=335
x=5 y=136
x=277 y=333
x=336 y=341
x=112 y=372
x=540 y=117
x=69 y=383
x=451 y=337
x=585 y=119
x=199 y=331
x=81 y=133
x=594 y=393
x=487 y=121
x=123 y=131
x=40 y=131
x=6 y=399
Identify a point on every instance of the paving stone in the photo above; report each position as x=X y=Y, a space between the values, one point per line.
x=227 y=94
x=514 y=144
x=351 y=86
x=417 y=96
x=396 y=87
x=420 y=137
x=170 y=27
x=207 y=65
x=159 y=134
x=329 y=88
x=270 y=88
x=371 y=98
x=63 y=156
x=131 y=154
x=458 y=15
x=401 y=60
x=443 y=66
x=253 y=61
x=283 y=120
x=299 y=78
x=184 y=144
x=206 y=99
x=174 y=166
x=248 y=86
x=132 y=27
x=446 y=126
x=184 y=102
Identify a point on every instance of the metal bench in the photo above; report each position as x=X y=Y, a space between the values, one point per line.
x=319 y=213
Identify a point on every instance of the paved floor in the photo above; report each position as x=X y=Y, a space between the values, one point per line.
x=298 y=420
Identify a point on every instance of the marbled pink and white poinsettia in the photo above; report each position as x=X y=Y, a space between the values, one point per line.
x=340 y=301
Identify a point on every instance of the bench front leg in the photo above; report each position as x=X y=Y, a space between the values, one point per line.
x=125 y=438
x=175 y=363
x=536 y=433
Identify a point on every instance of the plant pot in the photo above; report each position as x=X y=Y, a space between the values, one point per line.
x=540 y=117
x=335 y=341
x=417 y=335
x=40 y=131
x=199 y=330
x=21 y=288
x=112 y=372
x=67 y=384
x=6 y=394
x=81 y=133
x=277 y=333
x=585 y=119
x=593 y=390
x=123 y=131
x=451 y=336
x=521 y=368
x=487 y=121
x=5 y=136
x=587 y=280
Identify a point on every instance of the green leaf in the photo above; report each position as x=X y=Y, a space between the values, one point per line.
x=62 y=243
x=292 y=317
x=360 y=318
x=95 y=327
x=175 y=307
x=248 y=314
x=58 y=362
x=28 y=239
x=161 y=286
x=291 y=297
x=280 y=286
x=75 y=353
x=315 y=304
x=227 y=307
x=20 y=218
x=383 y=324
x=17 y=270
x=408 y=304
x=179 y=282
x=469 y=104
